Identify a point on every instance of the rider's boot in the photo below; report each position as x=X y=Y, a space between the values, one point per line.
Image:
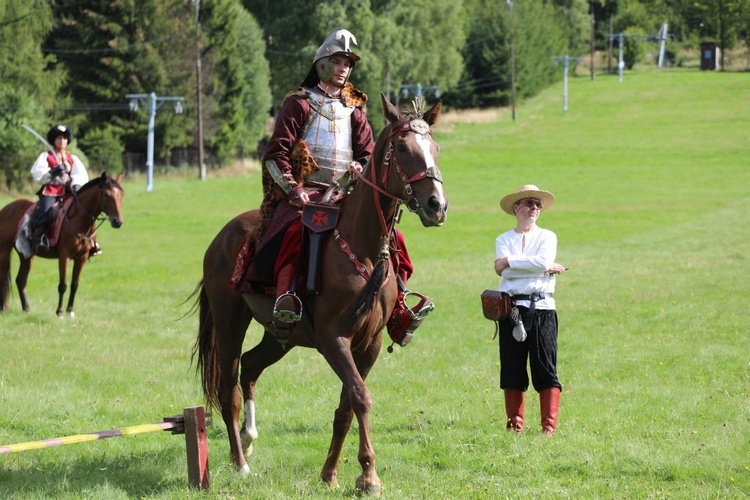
x=95 y=250
x=39 y=239
x=404 y=320
x=288 y=307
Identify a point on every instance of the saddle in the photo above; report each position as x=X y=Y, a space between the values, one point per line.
x=54 y=224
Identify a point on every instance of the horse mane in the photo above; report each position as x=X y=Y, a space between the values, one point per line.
x=97 y=181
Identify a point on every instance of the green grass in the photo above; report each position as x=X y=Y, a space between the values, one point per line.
x=651 y=178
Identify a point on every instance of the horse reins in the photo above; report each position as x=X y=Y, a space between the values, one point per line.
x=90 y=235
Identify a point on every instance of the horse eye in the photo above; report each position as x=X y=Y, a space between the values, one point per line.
x=401 y=148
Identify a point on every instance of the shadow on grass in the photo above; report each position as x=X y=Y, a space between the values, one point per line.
x=136 y=475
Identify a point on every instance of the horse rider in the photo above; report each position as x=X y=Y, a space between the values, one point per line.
x=323 y=120
x=55 y=171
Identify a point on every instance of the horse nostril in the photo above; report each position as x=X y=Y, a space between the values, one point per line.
x=434 y=203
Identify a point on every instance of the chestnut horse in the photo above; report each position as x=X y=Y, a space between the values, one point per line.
x=77 y=232
x=344 y=321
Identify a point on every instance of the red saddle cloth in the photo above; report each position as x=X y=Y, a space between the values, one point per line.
x=241 y=263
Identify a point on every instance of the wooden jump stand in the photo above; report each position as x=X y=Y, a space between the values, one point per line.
x=192 y=423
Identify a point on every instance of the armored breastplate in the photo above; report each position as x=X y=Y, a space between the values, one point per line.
x=329 y=138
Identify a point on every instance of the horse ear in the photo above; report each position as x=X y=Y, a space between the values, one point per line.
x=119 y=178
x=104 y=176
x=431 y=116
x=389 y=110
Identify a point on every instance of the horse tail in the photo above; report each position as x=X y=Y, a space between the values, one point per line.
x=363 y=303
x=207 y=363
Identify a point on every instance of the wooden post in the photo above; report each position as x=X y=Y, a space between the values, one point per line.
x=196 y=445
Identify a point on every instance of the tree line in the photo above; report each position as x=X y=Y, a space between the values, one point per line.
x=75 y=61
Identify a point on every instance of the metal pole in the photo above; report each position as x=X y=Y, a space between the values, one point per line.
x=150 y=150
x=387 y=58
x=621 y=60
x=512 y=64
x=201 y=161
x=663 y=44
x=591 y=45
x=609 y=48
x=565 y=85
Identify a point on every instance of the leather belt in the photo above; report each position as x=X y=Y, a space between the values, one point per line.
x=534 y=296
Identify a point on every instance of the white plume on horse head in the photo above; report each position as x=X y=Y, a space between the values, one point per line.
x=347 y=36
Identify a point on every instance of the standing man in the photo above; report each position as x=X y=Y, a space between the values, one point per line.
x=525 y=259
x=321 y=135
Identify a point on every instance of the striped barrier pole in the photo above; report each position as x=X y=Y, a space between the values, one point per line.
x=192 y=423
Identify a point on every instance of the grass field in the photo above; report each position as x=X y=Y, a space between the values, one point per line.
x=652 y=180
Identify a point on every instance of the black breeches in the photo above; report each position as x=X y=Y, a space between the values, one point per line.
x=539 y=350
x=41 y=214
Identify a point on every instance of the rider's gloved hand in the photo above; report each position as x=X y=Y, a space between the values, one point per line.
x=298 y=196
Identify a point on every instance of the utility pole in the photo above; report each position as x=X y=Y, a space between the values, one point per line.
x=566 y=59
x=387 y=58
x=512 y=63
x=198 y=47
x=591 y=43
x=153 y=103
x=419 y=90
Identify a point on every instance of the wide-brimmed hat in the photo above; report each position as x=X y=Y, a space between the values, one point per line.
x=523 y=192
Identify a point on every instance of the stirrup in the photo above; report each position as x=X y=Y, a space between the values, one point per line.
x=288 y=314
x=43 y=243
x=404 y=320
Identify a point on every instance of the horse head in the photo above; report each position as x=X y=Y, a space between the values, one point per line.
x=412 y=152
x=112 y=194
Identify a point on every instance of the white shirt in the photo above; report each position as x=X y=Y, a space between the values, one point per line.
x=41 y=171
x=528 y=263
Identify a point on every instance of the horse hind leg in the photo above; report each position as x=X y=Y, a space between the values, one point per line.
x=4 y=279
x=253 y=363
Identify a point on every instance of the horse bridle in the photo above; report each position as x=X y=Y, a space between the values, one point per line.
x=418 y=126
x=94 y=218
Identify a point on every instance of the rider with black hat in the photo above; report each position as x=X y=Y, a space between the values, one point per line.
x=56 y=170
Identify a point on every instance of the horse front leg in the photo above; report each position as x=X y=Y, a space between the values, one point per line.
x=77 y=269
x=62 y=286
x=252 y=364
x=22 y=279
x=342 y=421
x=338 y=354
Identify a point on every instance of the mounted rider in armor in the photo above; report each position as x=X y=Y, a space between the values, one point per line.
x=321 y=135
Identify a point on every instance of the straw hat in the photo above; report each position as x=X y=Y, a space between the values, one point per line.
x=523 y=192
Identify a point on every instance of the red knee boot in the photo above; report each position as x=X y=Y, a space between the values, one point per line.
x=549 y=401
x=514 y=409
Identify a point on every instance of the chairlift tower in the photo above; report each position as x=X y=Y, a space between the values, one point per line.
x=419 y=90
x=154 y=102
x=566 y=59
x=660 y=37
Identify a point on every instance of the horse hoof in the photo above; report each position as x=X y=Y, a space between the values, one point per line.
x=71 y=314
x=244 y=470
x=372 y=490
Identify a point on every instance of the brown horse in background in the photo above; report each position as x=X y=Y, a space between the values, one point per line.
x=76 y=238
x=344 y=321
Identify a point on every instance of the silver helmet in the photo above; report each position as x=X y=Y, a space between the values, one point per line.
x=336 y=43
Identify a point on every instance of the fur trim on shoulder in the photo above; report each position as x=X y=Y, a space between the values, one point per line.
x=352 y=96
